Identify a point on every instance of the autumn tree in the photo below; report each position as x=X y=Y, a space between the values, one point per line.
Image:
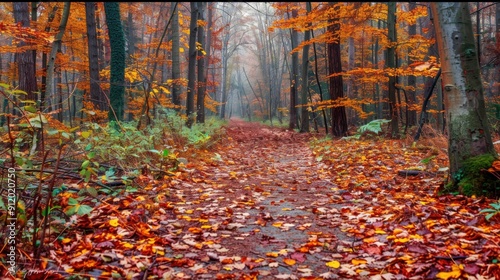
x=336 y=86
x=193 y=29
x=117 y=44
x=294 y=74
x=200 y=100
x=56 y=48
x=391 y=65
x=96 y=94
x=470 y=146
x=304 y=113
x=24 y=58
x=176 y=62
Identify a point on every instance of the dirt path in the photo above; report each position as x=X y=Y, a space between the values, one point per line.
x=265 y=201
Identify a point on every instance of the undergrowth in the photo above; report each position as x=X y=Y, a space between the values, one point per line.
x=62 y=173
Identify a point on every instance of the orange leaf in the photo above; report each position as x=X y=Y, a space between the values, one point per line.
x=289 y=261
x=358 y=261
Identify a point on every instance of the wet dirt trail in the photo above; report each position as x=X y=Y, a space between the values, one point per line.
x=264 y=205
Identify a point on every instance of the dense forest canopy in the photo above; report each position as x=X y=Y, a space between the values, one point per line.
x=247 y=53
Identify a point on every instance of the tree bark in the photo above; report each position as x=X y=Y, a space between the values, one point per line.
x=412 y=80
x=96 y=94
x=336 y=87
x=176 y=62
x=467 y=125
x=192 y=64
x=202 y=81
x=391 y=65
x=117 y=45
x=304 y=89
x=56 y=47
x=294 y=78
x=25 y=63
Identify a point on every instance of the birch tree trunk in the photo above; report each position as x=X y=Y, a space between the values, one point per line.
x=470 y=145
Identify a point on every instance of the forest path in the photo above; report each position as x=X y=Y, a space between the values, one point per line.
x=267 y=201
x=264 y=203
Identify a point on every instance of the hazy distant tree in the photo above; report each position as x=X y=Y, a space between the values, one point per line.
x=304 y=89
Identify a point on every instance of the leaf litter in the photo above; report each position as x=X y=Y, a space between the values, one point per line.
x=268 y=204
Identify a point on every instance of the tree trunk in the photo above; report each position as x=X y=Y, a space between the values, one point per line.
x=469 y=139
x=412 y=80
x=192 y=64
x=25 y=63
x=96 y=94
x=391 y=65
x=336 y=87
x=202 y=81
x=56 y=47
x=117 y=44
x=176 y=62
x=294 y=78
x=304 y=89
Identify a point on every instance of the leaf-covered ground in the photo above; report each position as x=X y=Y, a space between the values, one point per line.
x=266 y=204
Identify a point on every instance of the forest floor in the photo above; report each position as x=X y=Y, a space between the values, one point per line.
x=267 y=204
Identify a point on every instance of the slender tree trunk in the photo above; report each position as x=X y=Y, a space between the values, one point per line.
x=412 y=80
x=294 y=78
x=202 y=81
x=467 y=125
x=338 y=113
x=56 y=47
x=117 y=44
x=25 y=63
x=43 y=87
x=192 y=64
x=96 y=94
x=304 y=124
x=391 y=65
x=176 y=67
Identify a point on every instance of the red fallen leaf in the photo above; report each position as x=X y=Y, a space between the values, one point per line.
x=416 y=248
x=105 y=244
x=223 y=276
x=471 y=269
x=373 y=250
x=300 y=257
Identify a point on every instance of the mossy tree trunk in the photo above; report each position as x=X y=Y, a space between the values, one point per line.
x=117 y=44
x=468 y=129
